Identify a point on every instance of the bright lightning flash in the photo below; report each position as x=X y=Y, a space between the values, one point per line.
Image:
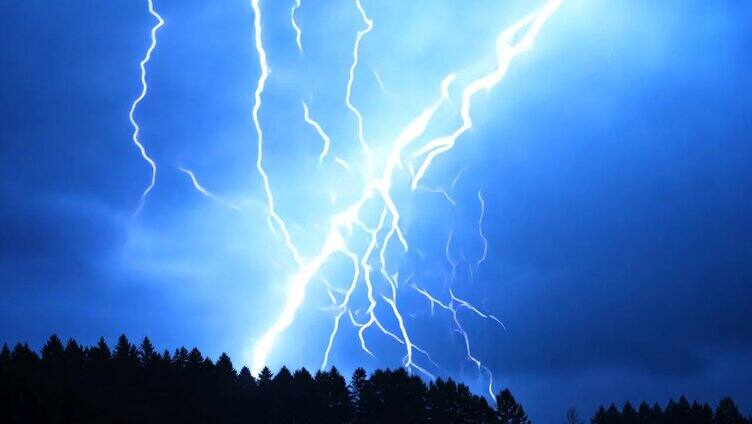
x=513 y=41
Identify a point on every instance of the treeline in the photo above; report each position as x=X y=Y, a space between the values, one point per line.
x=70 y=383
x=681 y=412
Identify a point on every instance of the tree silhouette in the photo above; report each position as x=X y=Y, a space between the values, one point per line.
x=146 y=353
x=509 y=411
x=572 y=417
x=728 y=413
x=600 y=416
x=70 y=383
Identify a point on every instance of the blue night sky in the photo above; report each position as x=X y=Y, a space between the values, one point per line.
x=613 y=160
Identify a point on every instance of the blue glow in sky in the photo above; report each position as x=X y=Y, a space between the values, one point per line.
x=611 y=160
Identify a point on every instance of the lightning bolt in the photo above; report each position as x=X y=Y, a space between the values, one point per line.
x=137 y=101
x=203 y=190
x=296 y=27
x=451 y=307
x=320 y=131
x=273 y=217
x=380 y=82
x=480 y=230
x=506 y=51
x=440 y=191
x=378 y=188
x=457 y=178
x=351 y=79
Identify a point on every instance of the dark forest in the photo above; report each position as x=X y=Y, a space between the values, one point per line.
x=70 y=383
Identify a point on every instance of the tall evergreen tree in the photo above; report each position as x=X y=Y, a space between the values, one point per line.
x=4 y=354
x=509 y=411
x=146 y=353
x=52 y=351
x=628 y=414
x=125 y=352
x=700 y=414
x=195 y=359
x=600 y=416
x=613 y=415
x=265 y=377
x=224 y=366
x=247 y=382
x=728 y=413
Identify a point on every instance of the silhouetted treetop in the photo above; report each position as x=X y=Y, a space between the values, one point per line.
x=70 y=383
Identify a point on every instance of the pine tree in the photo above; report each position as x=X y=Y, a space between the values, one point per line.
x=101 y=353
x=74 y=357
x=358 y=382
x=600 y=416
x=180 y=358
x=644 y=413
x=700 y=414
x=265 y=377
x=125 y=353
x=657 y=412
x=628 y=414
x=246 y=380
x=52 y=351
x=727 y=413
x=195 y=359
x=613 y=415
x=509 y=411
x=333 y=387
x=146 y=353
x=4 y=356
x=224 y=366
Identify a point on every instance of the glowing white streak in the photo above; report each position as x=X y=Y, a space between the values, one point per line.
x=343 y=163
x=380 y=82
x=440 y=191
x=467 y=305
x=448 y=256
x=366 y=267
x=320 y=131
x=203 y=190
x=457 y=177
x=427 y=355
x=330 y=291
x=506 y=51
x=349 y=217
x=467 y=340
x=354 y=322
x=334 y=243
x=134 y=105
x=331 y=338
x=480 y=230
x=348 y=102
x=369 y=287
x=408 y=362
x=293 y=300
x=296 y=27
x=453 y=310
x=445 y=85
x=490 y=385
x=433 y=301
x=272 y=216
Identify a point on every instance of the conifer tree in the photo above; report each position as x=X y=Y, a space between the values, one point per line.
x=509 y=411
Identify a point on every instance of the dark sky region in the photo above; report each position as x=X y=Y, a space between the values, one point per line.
x=614 y=160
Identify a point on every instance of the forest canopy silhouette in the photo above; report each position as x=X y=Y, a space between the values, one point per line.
x=70 y=383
